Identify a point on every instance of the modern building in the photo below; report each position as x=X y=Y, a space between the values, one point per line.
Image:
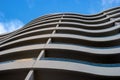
x=65 y=46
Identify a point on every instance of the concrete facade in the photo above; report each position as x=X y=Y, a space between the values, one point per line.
x=63 y=46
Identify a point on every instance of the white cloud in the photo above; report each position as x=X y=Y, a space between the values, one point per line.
x=10 y=26
x=2 y=28
x=110 y=3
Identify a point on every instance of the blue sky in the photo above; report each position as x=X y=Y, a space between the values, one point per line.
x=16 y=13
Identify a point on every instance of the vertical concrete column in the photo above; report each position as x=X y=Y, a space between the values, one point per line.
x=41 y=55
x=30 y=75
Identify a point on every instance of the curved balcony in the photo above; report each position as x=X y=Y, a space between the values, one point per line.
x=63 y=46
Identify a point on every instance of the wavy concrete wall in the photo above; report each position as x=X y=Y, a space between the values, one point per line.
x=63 y=46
